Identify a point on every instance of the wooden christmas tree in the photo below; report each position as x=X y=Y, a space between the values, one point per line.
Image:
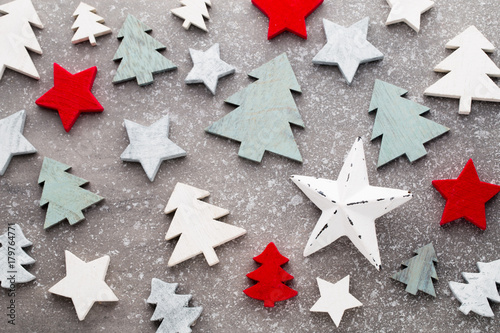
x=195 y=221
x=193 y=12
x=12 y=257
x=88 y=25
x=419 y=271
x=266 y=109
x=480 y=288
x=468 y=69
x=16 y=36
x=63 y=193
x=399 y=122
x=172 y=309
x=271 y=277
x=139 y=54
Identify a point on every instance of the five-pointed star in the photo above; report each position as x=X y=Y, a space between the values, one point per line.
x=350 y=206
x=335 y=299
x=466 y=196
x=150 y=146
x=287 y=15
x=12 y=141
x=84 y=283
x=208 y=67
x=408 y=11
x=71 y=95
x=347 y=48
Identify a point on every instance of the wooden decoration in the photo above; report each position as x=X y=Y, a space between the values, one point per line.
x=12 y=140
x=466 y=196
x=408 y=11
x=400 y=124
x=139 y=54
x=480 y=288
x=195 y=222
x=347 y=48
x=271 y=278
x=63 y=194
x=266 y=109
x=287 y=15
x=193 y=12
x=208 y=67
x=88 y=25
x=13 y=257
x=419 y=271
x=150 y=146
x=468 y=69
x=84 y=283
x=71 y=95
x=350 y=206
x=172 y=309
x=335 y=299
x=16 y=36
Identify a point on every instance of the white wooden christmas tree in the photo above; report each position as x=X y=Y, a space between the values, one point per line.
x=468 y=69
x=16 y=36
x=12 y=257
x=195 y=221
x=88 y=25
x=193 y=12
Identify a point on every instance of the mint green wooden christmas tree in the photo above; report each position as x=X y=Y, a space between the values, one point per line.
x=139 y=54
x=399 y=122
x=419 y=271
x=266 y=109
x=63 y=193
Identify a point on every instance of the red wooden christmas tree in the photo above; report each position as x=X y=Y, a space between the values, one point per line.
x=271 y=276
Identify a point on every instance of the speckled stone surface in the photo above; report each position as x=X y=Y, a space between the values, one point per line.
x=129 y=225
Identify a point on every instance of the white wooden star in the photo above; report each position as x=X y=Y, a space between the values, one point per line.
x=347 y=48
x=150 y=146
x=12 y=141
x=408 y=11
x=208 y=67
x=350 y=206
x=84 y=283
x=335 y=299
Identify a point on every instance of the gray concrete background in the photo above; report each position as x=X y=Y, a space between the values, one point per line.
x=129 y=225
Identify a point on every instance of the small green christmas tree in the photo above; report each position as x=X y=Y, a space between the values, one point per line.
x=419 y=271
x=63 y=193
x=266 y=109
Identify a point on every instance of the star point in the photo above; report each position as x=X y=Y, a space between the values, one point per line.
x=208 y=67
x=466 y=196
x=347 y=48
x=408 y=11
x=150 y=146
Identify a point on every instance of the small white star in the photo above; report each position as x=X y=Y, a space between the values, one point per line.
x=12 y=141
x=335 y=299
x=84 y=283
x=408 y=11
x=347 y=48
x=208 y=67
x=150 y=146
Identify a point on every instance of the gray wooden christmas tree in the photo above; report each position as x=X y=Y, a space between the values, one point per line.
x=480 y=288
x=139 y=54
x=12 y=257
x=63 y=193
x=172 y=309
x=419 y=271
x=266 y=109
x=399 y=122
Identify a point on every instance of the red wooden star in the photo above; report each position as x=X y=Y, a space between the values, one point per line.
x=289 y=15
x=466 y=196
x=71 y=95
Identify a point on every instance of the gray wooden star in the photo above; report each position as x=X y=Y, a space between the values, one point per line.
x=150 y=146
x=208 y=67
x=12 y=141
x=347 y=48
